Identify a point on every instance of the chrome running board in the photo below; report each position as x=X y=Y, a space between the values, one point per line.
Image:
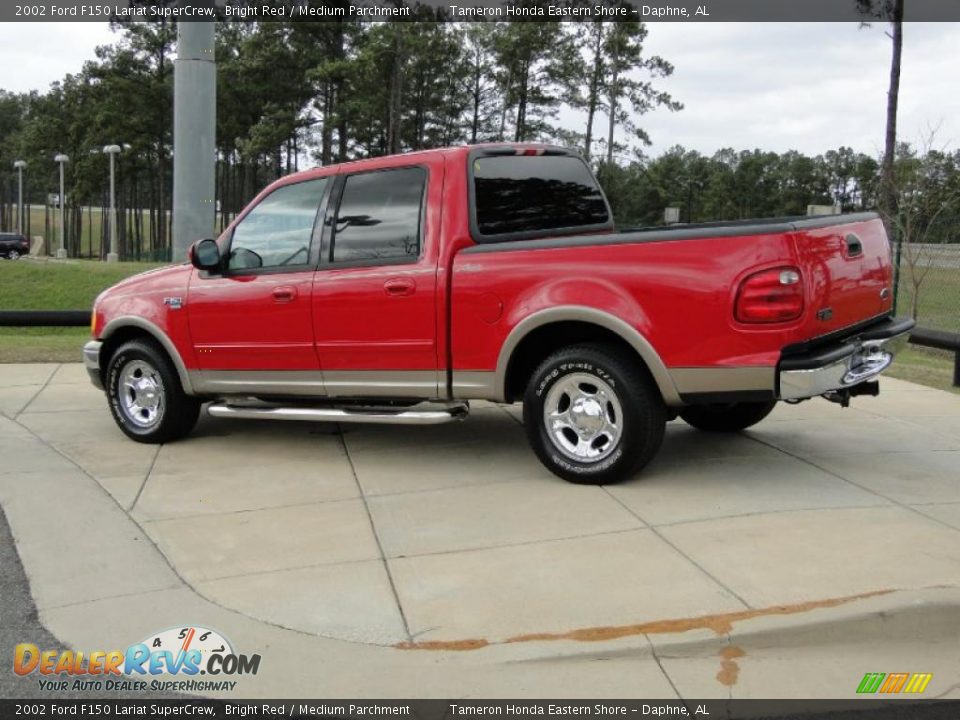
x=422 y=414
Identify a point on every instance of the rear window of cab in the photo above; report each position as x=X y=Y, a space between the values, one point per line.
x=525 y=196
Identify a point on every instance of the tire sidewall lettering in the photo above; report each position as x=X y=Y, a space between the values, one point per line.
x=601 y=466
x=116 y=365
x=566 y=368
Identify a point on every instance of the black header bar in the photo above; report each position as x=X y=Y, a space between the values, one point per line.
x=860 y=709
x=460 y=10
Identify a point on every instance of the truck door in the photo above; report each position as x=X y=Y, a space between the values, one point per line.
x=374 y=295
x=256 y=316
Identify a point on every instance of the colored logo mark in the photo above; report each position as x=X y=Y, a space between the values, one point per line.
x=890 y=683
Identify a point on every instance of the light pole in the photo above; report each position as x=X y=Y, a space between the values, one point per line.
x=20 y=165
x=194 y=133
x=112 y=255
x=62 y=159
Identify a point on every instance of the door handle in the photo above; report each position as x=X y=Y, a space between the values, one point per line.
x=399 y=286
x=284 y=294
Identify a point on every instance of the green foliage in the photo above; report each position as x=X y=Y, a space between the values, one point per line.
x=290 y=93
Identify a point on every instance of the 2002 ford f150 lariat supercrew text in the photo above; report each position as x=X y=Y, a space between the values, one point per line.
x=398 y=289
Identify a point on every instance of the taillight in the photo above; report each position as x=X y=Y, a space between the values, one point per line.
x=770 y=296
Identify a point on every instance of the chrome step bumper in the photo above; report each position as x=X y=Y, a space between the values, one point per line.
x=421 y=414
x=841 y=365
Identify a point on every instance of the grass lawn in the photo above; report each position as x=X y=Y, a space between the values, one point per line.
x=53 y=285
x=91 y=229
x=73 y=285
x=925 y=366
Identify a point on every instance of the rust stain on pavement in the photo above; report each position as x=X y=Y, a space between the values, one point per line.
x=720 y=623
x=729 y=669
x=456 y=645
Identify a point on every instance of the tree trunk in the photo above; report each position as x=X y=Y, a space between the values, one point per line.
x=593 y=91
x=326 y=134
x=614 y=94
x=475 y=120
x=339 y=104
x=521 y=129
x=506 y=105
x=396 y=88
x=889 y=193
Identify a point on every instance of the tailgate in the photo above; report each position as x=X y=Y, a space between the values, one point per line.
x=847 y=269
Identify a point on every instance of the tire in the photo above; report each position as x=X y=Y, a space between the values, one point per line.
x=728 y=418
x=145 y=396
x=13 y=255
x=619 y=423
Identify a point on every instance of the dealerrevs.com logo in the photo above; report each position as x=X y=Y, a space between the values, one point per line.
x=183 y=653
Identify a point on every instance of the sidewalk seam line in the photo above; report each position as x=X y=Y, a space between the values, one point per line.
x=224 y=513
x=866 y=489
x=107 y=598
x=376 y=535
x=421 y=555
x=37 y=393
x=521 y=543
x=146 y=477
x=677 y=523
x=682 y=554
x=663 y=671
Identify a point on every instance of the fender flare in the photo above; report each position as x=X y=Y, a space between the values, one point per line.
x=157 y=334
x=581 y=313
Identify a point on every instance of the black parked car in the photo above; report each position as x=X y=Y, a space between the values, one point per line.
x=13 y=245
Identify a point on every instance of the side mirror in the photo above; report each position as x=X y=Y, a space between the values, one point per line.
x=205 y=255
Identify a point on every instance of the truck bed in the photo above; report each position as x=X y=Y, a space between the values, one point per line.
x=677 y=287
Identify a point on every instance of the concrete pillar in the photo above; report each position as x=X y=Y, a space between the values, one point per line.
x=194 y=135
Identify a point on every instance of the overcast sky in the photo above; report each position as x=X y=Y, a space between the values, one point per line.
x=809 y=87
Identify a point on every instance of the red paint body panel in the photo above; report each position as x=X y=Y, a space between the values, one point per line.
x=677 y=294
x=384 y=317
x=237 y=324
x=454 y=311
x=849 y=286
x=142 y=296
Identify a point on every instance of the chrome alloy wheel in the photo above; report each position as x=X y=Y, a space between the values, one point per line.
x=142 y=395
x=583 y=417
x=13 y=255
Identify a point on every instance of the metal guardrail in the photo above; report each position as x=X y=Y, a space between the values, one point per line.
x=942 y=341
x=44 y=318
x=81 y=318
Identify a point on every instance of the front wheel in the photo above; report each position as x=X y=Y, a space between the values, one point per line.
x=592 y=414
x=727 y=417
x=145 y=396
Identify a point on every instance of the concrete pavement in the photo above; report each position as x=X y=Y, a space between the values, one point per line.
x=446 y=561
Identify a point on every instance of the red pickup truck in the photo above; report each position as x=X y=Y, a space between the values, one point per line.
x=397 y=289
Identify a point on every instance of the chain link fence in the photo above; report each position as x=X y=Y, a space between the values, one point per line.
x=929 y=284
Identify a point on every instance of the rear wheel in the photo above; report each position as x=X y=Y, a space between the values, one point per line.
x=592 y=415
x=727 y=417
x=13 y=255
x=145 y=396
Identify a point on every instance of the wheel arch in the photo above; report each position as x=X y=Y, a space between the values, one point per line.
x=120 y=330
x=543 y=332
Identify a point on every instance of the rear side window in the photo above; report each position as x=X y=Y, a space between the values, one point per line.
x=533 y=194
x=379 y=216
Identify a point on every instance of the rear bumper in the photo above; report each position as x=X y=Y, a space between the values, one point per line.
x=842 y=363
x=91 y=361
